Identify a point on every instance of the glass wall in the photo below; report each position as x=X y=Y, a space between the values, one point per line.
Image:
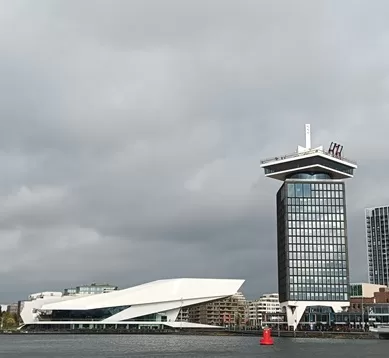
x=316 y=260
x=96 y=314
x=356 y=290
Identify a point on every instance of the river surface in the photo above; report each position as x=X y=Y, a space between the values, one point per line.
x=119 y=346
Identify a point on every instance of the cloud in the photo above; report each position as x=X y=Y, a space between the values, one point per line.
x=132 y=133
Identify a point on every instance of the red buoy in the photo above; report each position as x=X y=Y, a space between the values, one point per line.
x=266 y=339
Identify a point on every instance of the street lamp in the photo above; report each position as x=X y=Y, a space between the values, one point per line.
x=181 y=314
x=363 y=314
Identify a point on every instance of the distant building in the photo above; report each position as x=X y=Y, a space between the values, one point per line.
x=267 y=303
x=3 y=308
x=377 y=237
x=230 y=311
x=364 y=294
x=13 y=308
x=91 y=289
x=34 y=296
x=365 y=290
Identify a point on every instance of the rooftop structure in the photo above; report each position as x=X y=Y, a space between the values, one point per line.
x=34 y=296
x=313 y=268
x=312 y=160
x=92 y=289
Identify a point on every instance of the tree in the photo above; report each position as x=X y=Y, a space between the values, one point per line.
x=238 y=319
x=9 y=320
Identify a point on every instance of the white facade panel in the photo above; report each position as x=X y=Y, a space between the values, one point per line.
x=157 y=291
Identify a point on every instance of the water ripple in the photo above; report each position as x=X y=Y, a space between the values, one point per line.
x=120 y=346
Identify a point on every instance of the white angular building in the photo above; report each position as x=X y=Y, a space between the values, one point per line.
x=152 y=305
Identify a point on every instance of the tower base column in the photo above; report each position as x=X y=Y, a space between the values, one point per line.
x=295 y=309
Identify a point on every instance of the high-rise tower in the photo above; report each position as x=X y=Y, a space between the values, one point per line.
x=313 y=268
x=377 y=238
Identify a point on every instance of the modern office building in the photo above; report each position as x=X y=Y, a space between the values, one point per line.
x=313 y=267
x=377 y=238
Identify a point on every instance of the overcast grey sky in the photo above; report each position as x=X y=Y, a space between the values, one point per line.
x=132 y=133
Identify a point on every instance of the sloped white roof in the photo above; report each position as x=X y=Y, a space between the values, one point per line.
x=181 y=289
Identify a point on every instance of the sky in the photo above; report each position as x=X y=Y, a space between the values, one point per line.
x=132 y=133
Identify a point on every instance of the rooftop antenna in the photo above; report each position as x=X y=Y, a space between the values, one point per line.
x=308 y=136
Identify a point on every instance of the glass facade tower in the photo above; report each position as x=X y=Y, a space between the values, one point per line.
x=312 y=240
x=377 y=237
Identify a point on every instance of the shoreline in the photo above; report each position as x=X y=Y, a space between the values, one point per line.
x=275 y=334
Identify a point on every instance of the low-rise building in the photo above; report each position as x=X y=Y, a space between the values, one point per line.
x=362 y=294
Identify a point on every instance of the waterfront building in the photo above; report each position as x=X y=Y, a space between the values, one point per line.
x=377 y=239
x=364 y=290
x=313 y=268
x=154 y=305
x=362 y=294
x=229 y=311
x=321 y=317
x=259 y=309
x=27 y=309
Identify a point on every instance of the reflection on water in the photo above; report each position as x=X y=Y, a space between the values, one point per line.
x=118 y=346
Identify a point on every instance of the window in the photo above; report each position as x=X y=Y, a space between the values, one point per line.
x=307 y=190
x=299 y=190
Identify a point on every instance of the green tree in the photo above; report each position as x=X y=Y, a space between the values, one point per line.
x=9 y=320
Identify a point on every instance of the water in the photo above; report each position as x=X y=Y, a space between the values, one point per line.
x=119 y=346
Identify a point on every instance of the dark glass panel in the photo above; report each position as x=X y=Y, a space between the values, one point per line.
x=96 y=314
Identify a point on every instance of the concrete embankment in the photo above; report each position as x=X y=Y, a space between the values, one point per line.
x=290 y=334
x=326 y=334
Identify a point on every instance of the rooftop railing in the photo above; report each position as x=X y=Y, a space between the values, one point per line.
x=308 y=152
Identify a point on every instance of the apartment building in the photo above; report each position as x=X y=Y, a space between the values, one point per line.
x=266 y=304
x=229 y=311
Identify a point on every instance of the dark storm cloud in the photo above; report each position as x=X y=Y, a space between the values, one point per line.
x=132 y=133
